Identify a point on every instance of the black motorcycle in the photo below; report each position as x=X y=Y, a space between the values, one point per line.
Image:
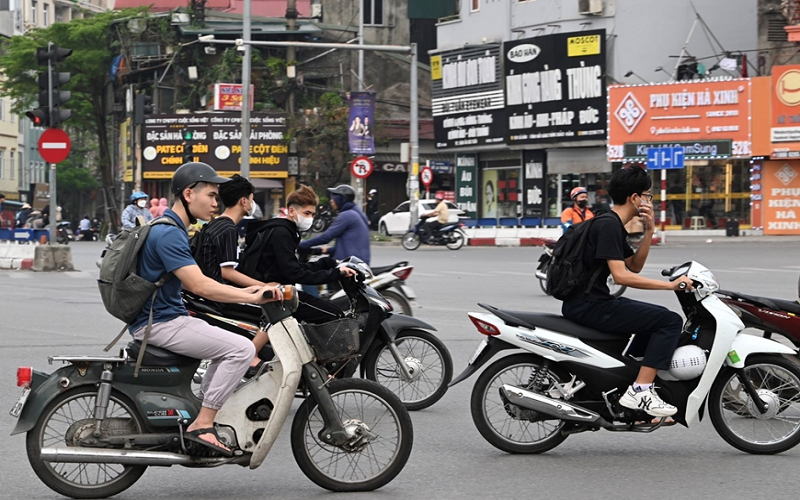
x=397 y=351
x=322 y=219
x=449 y=235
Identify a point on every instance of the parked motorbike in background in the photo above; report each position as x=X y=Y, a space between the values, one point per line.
x=449 y=235
x=569 y=378
x=390 y=282
x=322 y=219
x=93 y=428
x=399 y=352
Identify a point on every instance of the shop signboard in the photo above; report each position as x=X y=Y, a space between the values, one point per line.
x=228 y=97
x=785 y=119
x=703 y=116
x=533 y=183
x=168 y=141
x=781 y=197
x=466 y=184
x=555 y=88
x=468 y=97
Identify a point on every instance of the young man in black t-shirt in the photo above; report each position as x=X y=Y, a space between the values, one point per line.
x=657 y=329
x=219 y=253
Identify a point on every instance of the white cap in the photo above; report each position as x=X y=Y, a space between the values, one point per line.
x=373 y=191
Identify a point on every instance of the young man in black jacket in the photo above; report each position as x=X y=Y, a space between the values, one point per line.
x=656 y=328
x=277 y=261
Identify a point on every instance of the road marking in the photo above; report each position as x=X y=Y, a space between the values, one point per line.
x=417 y=273
x=78 y=274
x=761 y=269
x=17 y=275
x=467 y=274
x=515 y=273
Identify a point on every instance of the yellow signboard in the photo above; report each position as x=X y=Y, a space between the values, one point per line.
x=253 y=175
x=436 y=67
x=127 y=175
x=578 y=46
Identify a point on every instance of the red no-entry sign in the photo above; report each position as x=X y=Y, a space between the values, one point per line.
x=54 y=145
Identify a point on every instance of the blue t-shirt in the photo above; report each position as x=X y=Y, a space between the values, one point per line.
x=166 y=249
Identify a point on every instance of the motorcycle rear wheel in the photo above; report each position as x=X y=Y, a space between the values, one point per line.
x=493 y=417
x=57 y=421
x=363 y=405
x=455 y=240
x=423 y=350
x=411 y=241
x=739 y=422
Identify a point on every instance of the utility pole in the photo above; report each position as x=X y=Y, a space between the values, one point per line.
x=291 y=55
x=245 y=142
x=360 y=182
x=413 y=176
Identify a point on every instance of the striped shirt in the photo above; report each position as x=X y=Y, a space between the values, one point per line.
x=220 y=247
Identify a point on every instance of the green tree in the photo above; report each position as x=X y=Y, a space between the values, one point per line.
x=321 y=136
x=88 y=65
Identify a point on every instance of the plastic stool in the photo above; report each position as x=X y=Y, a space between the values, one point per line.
x=698 y=222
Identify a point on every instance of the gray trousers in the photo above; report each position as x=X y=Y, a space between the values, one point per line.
x=230 y=354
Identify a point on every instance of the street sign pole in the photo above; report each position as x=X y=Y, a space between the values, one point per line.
x=53 y=204
x=663 y=205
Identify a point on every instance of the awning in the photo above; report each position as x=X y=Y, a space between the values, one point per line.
x=577 y=161
x=264 y=184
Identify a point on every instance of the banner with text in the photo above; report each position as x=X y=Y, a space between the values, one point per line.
x=555 y=88
x=168 y=141
x=533 y=183
x=780 y=183
x=466 y=182
x=362 y=117
x=467 y=95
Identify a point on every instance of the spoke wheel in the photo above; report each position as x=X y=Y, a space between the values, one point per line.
x=411 y=241
x=455 y=240
x=428 y=358
x=368 y=410
x=508 y=427
x=65 y=420
x=736 y=417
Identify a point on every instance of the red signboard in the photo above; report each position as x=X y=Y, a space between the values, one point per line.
x=54 y=145
x=228 y=96
x=426 y=176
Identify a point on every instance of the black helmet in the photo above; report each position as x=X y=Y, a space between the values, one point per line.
x=191 y=173
x=344 y=190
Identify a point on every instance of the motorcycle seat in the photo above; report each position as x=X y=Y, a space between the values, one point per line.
x=156 y=356
x=385 y=269
x=553 y=322
x=769 y=303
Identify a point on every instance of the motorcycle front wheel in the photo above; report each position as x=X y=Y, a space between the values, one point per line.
x=411 y=241
x=455 y=240
x=382 y=438
x=63 y=422
x=427 y=357
x=509 y=427
x=319 y=225
x=737 y=419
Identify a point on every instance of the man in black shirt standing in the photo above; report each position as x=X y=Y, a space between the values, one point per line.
x=655 y=327
x=219 y=252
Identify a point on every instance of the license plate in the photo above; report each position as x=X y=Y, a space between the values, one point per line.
x=17 y=409
x=478 y=351
x=409 y=292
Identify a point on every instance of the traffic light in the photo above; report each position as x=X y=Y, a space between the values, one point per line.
x=51 y=97
x=142 y=109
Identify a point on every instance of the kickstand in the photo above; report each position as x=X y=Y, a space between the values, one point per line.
x=181 y=423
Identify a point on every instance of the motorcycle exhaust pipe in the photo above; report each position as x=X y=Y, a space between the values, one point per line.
x=549 y=406
x=123 y=457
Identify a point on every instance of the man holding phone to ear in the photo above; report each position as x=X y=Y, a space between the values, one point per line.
x=655 y=327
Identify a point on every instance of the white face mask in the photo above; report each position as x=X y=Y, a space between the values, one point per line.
x=142 y=203
x=252 y=211
x=304 y=223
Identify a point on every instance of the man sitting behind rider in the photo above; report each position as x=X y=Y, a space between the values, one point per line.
x=278 y=262
x=442 y=215
x=219 y=252
x=167 y=250
x=579 y=210
x=655 y=327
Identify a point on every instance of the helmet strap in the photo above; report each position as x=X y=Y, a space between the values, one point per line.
x=192 y=219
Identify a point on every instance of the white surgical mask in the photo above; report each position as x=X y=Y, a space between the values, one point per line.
x=142 y=203
x=304 y=223
x=252 y=210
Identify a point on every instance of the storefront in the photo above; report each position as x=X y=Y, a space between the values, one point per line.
x=711 y=121
x=390 y=177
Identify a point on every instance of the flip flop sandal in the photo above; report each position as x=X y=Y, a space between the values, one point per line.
x=194 y=436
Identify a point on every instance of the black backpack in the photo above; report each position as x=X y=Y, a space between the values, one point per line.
x=567 y=273
x=251 y=255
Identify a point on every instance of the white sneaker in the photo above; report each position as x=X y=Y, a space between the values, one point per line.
x=648 y=401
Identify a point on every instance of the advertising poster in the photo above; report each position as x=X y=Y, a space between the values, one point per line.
x=489 y=194
x=360 y=131
x=785 y=123
x=466 y=185
x=228 y=96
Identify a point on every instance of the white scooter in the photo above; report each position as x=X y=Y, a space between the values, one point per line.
x=569 y=378
x=93 y=427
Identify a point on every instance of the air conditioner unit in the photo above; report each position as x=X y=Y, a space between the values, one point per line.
x=316 y=10
x=180 y=18
x=590 y=7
